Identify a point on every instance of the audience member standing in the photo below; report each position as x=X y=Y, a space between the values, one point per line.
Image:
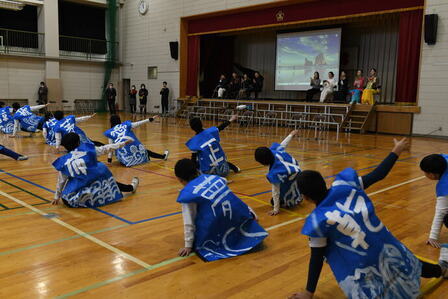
x=111 y=94
x=143 y=98
x=222 y=86
x=133 y=99
x=42 y=94
x=165 y=92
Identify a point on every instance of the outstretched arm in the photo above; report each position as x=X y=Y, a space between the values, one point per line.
x=142 y=122
x=318 y=248
x=288 y=138
x=16 y=128
x=437 y=222
x=38 y=107
x=382 y=170
x=105 y=149
x=276 y=200
x=110 y=154
x=62 y=179
x=84 y=118
x=189 y=211
x=226 y=123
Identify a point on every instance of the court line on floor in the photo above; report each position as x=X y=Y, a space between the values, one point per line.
x=175 y=259
x=328 y=177
x=79 y=232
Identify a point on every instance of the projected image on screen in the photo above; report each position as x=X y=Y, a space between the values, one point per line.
x=300 y=54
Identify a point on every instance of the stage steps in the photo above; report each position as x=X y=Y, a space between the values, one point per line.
x=357 y=117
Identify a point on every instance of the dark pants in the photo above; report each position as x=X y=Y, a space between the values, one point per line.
x=7 y=152
x=155 y=155
x=310 y=94
x=233 y=167
x=340 y=96
x=111 y=103
x=133 y=108
x=125 y=187
x=165 y=108
x=430 y=270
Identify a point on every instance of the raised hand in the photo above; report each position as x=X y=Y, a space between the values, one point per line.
x=233 y=118
x=400 y=146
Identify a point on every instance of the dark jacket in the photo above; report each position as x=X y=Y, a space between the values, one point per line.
x=258 y=83
x=111 y=93
x=42 y=95
x=165 y=93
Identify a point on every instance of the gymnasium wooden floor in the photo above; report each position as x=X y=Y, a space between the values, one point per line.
x=129 y=249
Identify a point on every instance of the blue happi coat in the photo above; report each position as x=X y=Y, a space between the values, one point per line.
x=28 y=120
x=49 y=125
x=442 y=184
x=225 y=227
x=366 y=259
x=284 y=172
x=6 y=120
x=212 y=159
x=133 y=153
x=90 y=183
x=68 y=125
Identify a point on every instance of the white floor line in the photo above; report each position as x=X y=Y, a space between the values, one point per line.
x=395 y=186
x=80 y=232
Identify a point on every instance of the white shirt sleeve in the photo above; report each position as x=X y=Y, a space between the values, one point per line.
x=286 y=141
x=44 y=133
x=276 y=196
x=139 y=123
x=108 y=148
x=83 y=118
x=189 y=211
x=38 y=107
x=110 y=154
x=62 y=179
x=16 y=127
x=317 y=242
x=437 y=222
x=58 y=138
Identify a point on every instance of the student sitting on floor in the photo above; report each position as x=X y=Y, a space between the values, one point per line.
x=217 y=223
x=10 y=153
x=207 y=149
x=67 y=125
x=366 y=259
x=48 y=129
x=26 y=120
x=435 y=167
x=283 y=169
x=134 y=153
x=83 y=181
x=6 y=119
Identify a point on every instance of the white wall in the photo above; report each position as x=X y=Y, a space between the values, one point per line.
x=20 y=78
x=145 y=39
x=433 y=95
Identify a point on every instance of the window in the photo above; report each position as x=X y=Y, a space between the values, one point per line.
x=152 y=72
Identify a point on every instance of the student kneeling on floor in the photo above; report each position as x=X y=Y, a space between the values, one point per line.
x=217 y=223
x=83 y=181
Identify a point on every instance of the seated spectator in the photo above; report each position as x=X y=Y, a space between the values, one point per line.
x=234 y=86
x=315 y=87
x=358 y=86
x=246 y=86
x=341 y=94
x=372 y=88
x=257 y=84
x=328 y=89
x=222 y=86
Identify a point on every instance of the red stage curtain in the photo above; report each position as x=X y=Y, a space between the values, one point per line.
x=193 y=65
x=295 y=12
x=408 y=61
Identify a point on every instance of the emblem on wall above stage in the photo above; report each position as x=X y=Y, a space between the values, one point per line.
x=280 y=15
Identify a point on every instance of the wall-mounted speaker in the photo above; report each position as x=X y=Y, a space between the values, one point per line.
x=431 y=22
x=174 y=50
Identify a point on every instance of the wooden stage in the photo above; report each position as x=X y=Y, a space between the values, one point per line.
x=129 y=249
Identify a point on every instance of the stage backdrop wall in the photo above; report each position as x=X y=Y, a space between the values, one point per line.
x=366 y=44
